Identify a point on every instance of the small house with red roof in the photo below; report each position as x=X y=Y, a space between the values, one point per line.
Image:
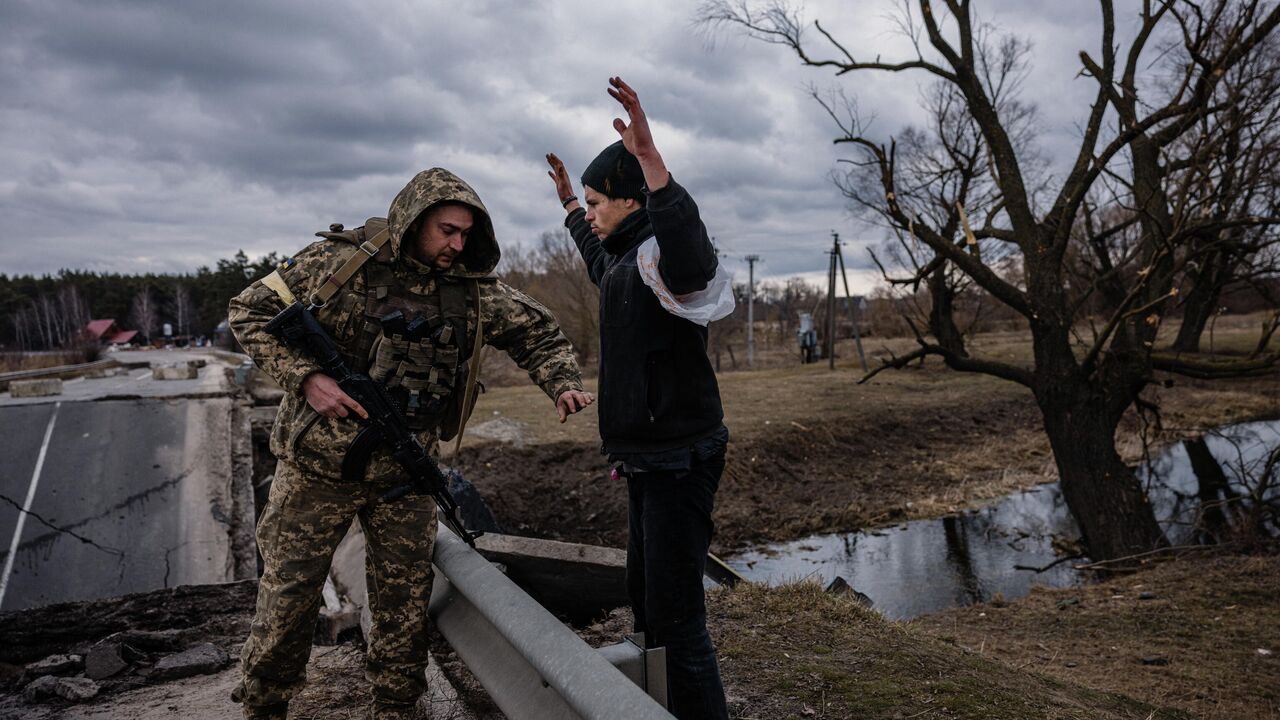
x=106 y=332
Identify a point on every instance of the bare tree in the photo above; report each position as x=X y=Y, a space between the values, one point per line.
x=182 y=310
x=1228 y=167
x=1005 y=215
x=51 y=321
x=144 y=314
x=552 y=272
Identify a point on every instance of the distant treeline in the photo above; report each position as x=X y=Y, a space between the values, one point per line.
x=46 y=312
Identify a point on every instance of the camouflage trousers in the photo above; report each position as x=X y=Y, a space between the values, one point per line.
x=305 y=518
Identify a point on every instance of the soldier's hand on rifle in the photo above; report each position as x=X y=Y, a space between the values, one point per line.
x=571 y=401
x=326 y=398
x=636 y=137
x=564 y=186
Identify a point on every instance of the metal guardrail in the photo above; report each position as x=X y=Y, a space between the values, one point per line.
x=60 y=371
x=532 y=666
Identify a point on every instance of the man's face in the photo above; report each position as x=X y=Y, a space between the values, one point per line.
x=606 y=213
x=443 y=235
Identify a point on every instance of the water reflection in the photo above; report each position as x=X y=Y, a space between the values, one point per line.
x=930 y=565
x=1201 y=488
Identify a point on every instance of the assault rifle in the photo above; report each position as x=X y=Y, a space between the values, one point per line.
x=300 y=330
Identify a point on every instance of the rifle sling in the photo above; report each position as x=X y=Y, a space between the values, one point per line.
x=364 y=253
x=473 y=372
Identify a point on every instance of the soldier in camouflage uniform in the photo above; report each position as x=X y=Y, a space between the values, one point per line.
x=435 y=263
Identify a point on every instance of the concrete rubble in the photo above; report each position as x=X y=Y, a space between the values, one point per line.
x=199 y=659
x=181 y=371
x=104 y=660
x=44 y=387
x=55 y=665
x=49 y=687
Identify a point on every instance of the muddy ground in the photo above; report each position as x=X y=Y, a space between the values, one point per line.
x=813 y=451
x=1200 y=633
x=791 y=652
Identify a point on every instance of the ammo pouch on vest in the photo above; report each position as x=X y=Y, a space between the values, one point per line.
x=416 y=343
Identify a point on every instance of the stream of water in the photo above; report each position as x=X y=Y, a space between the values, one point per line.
x=929 y=565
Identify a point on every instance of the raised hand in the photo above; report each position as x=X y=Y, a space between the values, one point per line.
x=560 y=176
x=636 y=137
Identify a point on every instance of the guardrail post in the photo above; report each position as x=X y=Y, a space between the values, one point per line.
x=532 y=666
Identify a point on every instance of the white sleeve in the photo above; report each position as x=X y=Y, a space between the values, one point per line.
x=702 y=307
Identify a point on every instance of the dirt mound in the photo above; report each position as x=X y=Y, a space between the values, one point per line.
x=794 y=479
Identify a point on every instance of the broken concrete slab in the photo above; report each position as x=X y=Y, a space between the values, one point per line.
x=75 y=689
x=163 y=489
x=54 y=665
x=104 y=660
x=199 y=659
x=44 y=387
x=39 y=689
x=49 y=686
x=175 y=372
x=581 y=581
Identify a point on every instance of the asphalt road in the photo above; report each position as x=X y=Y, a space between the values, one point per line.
x=132 y=495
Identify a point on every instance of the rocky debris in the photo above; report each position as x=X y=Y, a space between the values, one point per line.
x=503 y=430
x=72 y=689
x=162 y=620
x=104 y=660
x=55 y=665
x=184 y=371
x=139 y=642
x=199 y=659
x=840 y=586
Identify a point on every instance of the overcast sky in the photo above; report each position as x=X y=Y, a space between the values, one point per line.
x=161 y=136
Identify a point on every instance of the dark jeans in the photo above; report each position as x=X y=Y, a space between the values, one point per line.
x=669 y=516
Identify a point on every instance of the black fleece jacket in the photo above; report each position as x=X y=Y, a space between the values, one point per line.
x=657 y=390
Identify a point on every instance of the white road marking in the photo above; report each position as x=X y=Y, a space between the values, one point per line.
x=26 y=505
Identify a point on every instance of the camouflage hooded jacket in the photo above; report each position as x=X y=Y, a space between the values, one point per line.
x=513 y=322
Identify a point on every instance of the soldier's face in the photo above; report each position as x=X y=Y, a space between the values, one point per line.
x=443 y=235
x=606 y=213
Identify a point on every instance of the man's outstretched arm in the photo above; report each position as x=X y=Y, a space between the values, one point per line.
x=688 y=259
x=588 y=244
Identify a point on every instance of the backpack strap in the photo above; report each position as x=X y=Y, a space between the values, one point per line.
x=365 y=251
x=473 y=371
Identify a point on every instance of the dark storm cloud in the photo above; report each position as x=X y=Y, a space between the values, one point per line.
x=160 y=136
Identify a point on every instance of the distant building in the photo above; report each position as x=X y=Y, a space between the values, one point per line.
x=106 y=332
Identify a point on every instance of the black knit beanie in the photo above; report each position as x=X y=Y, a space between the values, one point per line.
x=616 y=173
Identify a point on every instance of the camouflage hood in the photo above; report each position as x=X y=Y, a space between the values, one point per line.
x=437 y=185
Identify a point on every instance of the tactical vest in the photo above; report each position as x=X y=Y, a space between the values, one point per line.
x=414 y=340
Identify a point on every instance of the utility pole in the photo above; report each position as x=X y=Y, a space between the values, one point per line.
x=853 y=318
x=751 y=302
x=831 y=302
